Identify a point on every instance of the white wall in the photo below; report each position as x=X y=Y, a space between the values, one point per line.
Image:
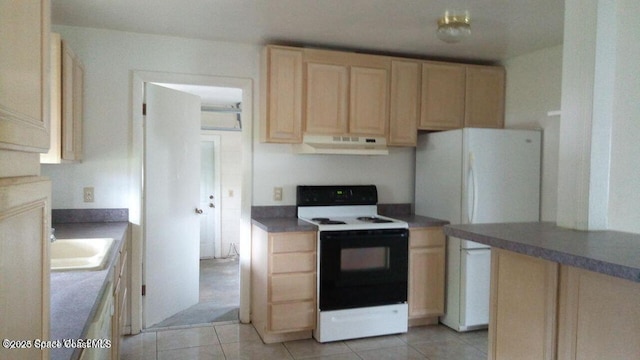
x=599 y=179
x=624 y=197
x=534 y=83
x=277 y=166
x=110 y=57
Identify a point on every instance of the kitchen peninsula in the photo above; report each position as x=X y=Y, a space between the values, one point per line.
x=558 y=293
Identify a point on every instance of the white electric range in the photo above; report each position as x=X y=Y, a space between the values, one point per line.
x=362 y=263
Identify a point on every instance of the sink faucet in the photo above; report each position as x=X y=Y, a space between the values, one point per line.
x=52 y=237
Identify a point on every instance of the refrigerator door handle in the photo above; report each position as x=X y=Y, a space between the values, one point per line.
x=471 y=190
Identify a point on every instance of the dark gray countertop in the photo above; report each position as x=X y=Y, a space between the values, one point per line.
x=75 y=295
x=417 y=221
x=283 y=224
x=608 y=252
x=293 y=224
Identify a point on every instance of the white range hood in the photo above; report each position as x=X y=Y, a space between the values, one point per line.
x=344 y=145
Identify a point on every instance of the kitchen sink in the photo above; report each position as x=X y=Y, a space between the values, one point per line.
x=80 y=254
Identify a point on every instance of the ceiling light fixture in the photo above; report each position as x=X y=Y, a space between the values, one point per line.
x=454 y=28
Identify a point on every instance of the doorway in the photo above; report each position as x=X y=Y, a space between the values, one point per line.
x=210 y=173
x=244 y=170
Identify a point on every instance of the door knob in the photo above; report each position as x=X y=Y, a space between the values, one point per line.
x=199 y=211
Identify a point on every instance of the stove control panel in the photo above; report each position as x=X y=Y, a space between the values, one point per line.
x=332 y=195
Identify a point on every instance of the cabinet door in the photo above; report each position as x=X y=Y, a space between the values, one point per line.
x=404 y=103
x=426 y=297
x=68 y=146
x=426 y=272
x=523 y=307
x=599 y=316
x=55 y=104
x=282 y=95
x=24 y=260
x=327 y=96
x=484 y=101
x=67 y=83
x=368 y=101
x=24 y=68
x=78 y=108
x=293 y=316
x=443 y=92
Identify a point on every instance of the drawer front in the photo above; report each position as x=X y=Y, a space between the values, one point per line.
x=292 y=287
x=427 y=237
x=292 y=316
x=293 y=242
x=294 y=262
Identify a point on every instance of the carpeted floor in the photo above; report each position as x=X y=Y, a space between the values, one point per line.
x=219 y=295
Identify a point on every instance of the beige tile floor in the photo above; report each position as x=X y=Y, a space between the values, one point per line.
x=240 y=341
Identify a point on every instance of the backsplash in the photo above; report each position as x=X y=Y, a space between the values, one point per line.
x=274 y=211
x=258 y=212
x=63 y=216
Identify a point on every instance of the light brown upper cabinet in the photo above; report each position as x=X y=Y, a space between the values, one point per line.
x=404 y=103
x=443 y=90
x=24 y=65
x=458 y=95
x=368 y=101
x=67 y=83
x=324 y=92
x=282 y=95
x=484 y=100
x=346 y=93
x=327 y=95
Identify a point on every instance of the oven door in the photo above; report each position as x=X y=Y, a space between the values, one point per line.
x=363 y=268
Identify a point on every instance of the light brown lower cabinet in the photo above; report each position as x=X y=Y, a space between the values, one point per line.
x=426 y=275
x=543 y=310
x=599 y=316
x=522 y=318
x=283 y=284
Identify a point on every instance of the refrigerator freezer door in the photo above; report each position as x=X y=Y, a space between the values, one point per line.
x=502 y=176
x=475 y=286
x=438 y=175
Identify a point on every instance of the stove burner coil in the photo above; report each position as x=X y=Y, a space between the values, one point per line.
x=327 y=221
x=374 y=219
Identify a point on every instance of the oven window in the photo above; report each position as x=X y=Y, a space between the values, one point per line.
x=367 y=258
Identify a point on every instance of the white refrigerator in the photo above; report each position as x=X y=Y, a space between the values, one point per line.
x=474 y=176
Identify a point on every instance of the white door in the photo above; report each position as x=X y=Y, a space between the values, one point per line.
x=209 y=197
x=171 y=196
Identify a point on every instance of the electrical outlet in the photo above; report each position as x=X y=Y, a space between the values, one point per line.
x=88 y=194
x=277 y=194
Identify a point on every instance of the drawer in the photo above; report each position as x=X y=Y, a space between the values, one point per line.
x=292 y=316
x=293 y=262
x=293 y=242
x=292 y=287
x=426 y=237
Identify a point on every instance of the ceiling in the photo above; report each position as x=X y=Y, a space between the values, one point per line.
x=501 y=29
